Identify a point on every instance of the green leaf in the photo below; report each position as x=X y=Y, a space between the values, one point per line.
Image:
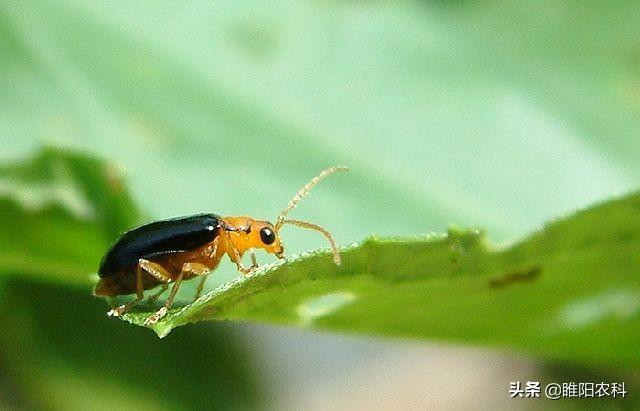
x=570 y=291
x=58 y=213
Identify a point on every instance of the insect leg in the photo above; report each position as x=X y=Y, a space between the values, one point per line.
x=212 y=249
x=203 y=280
x=235 y=256
x=199 y=270
x=195 y=269
x=155 y=269
x=154 y=318
x=254 y=262
x=155 y=296
x=118 y=311
x=240 y=267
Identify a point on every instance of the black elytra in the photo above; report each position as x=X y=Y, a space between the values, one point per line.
x=158 y=238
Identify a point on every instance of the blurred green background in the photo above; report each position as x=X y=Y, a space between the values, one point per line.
x=500 y=115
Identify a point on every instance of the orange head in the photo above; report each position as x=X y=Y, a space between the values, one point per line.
x=246 y=233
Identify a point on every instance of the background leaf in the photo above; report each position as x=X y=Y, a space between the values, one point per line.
x=59 y=212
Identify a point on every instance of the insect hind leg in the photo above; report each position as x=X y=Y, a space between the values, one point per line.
x=120 y=310
x=155 y=269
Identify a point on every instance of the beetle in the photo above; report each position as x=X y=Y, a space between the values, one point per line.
x=175 y=250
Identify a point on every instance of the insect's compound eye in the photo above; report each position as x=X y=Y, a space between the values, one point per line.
x=267 y=236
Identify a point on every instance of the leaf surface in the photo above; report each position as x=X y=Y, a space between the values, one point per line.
x=570 y=291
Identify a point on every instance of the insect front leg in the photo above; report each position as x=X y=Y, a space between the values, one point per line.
x=236 y=258
x=247 y=270
x=240 y=267
x=254 y=262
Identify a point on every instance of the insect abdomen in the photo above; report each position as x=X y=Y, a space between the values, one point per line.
x=158 y=238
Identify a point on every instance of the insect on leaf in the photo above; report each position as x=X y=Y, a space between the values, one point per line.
x=569 y=291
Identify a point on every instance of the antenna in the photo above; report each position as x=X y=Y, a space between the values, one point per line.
x=334 y=247
x=304 y=191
